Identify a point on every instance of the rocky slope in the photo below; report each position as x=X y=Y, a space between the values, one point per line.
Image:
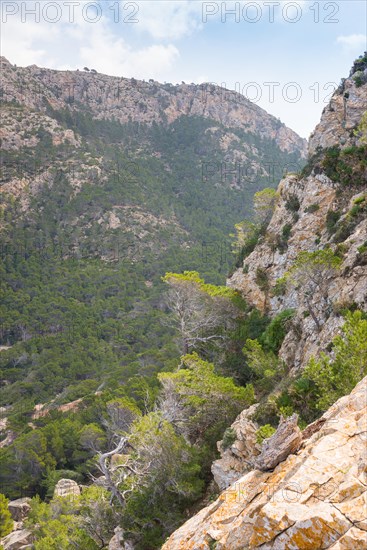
x=303 y=489
x=316 y=498
x=344 y=111
x=321 y=209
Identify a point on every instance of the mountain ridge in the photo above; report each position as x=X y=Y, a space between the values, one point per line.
x=104 y=94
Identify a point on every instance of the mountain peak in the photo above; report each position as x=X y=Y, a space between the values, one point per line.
x=344 y=111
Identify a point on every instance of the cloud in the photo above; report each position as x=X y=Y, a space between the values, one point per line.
x=115 y=57
x=65 y=45
x=169 y=19
x=353 y=41
x=26 y=43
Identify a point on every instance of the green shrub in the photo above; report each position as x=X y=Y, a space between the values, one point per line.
x=6 y=521
x=264 y=432
x=331 y=378
x=229 y=437
x=246 y=249
x=350 y=221
x=354 y=211
x=280 y=287
x=286 y=231
x=267 y=413
x=363 y=248
x=209 y=402
x=347 y=167
x=341 y=250
x=292 y=203
x=276 y=331
x=266 y=366
x=312 y=208
x=332 y=218
x=262 y=279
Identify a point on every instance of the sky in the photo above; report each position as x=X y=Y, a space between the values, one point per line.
x=285 y=56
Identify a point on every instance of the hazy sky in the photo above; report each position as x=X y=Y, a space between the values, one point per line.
x=286 y=56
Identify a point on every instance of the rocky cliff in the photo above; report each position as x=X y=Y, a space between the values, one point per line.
x=123 y=99
x=324 y=206
x=303 y=489
x=316 y=498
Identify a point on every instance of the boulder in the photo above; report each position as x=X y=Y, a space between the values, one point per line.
x=18 y=540
x=19 y=508
x=286 y=440
x=66 y=488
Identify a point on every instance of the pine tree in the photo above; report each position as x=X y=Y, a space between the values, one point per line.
x=6 y=521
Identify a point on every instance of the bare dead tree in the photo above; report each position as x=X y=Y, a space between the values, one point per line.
x=130 y=468
x=199 y=317
x=104 y=466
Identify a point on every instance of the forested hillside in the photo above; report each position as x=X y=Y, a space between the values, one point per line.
x=97 y=206
x=124 y=358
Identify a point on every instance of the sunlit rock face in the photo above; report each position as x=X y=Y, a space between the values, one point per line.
x=316 y=498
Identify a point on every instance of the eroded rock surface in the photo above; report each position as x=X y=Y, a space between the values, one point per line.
x=239 y=457
x=286 y=440
x=315 y=499
x=19 y=508
x=18 y=540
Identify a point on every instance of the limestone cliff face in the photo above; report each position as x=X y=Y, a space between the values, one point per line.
x=305 y=212
x=123 y=99
x=316 y=498
x=344 y=111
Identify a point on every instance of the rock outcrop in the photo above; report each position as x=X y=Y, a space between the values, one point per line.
x=19 y=508
x=342 y=114
x=66 y=488
x=18 y=540
x=239 y=457
x=117 y=542
x=286 y=440
x=316 y=498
